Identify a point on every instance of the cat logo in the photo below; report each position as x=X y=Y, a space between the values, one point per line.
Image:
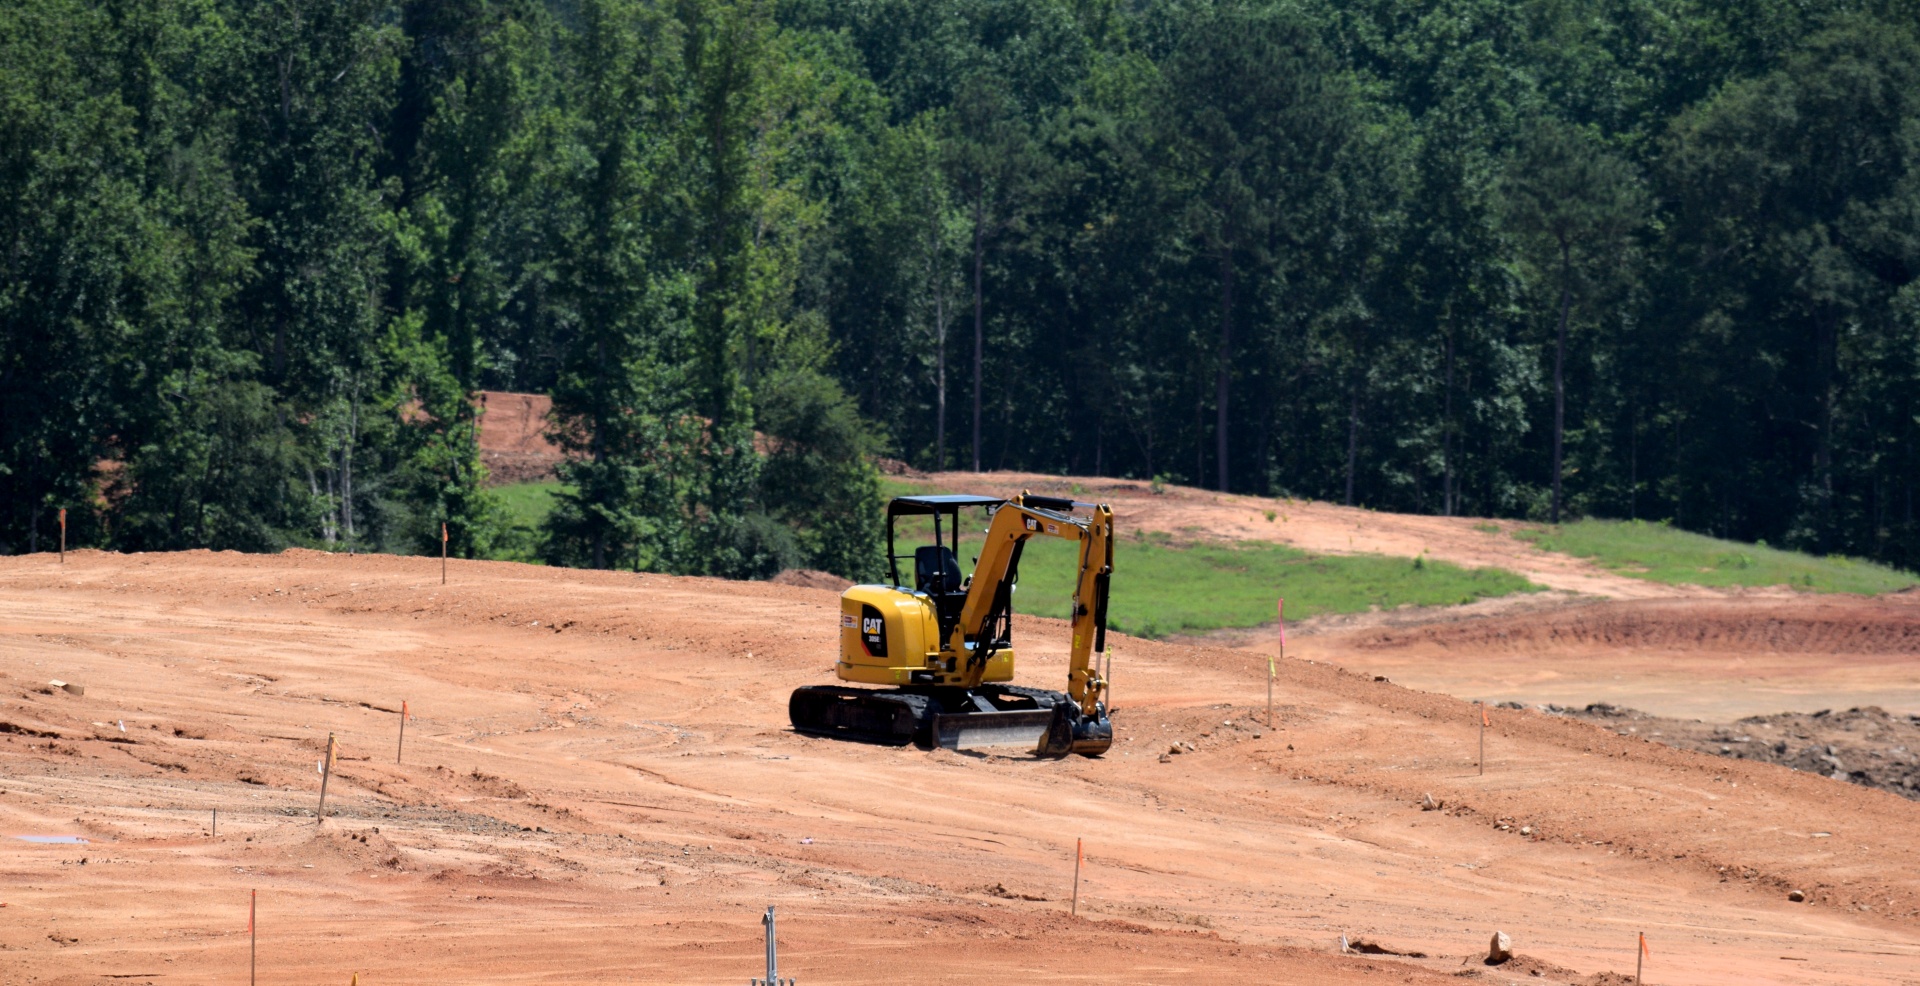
x=1032 y=525
x=873 y=632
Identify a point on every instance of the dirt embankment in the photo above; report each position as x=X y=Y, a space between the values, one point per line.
x=1868 y=746
x=1808 y=624
x=513 y=438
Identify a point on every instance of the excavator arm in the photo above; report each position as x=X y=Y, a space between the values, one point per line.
x=990 y=592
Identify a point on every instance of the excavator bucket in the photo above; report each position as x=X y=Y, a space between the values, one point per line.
x=982 y=730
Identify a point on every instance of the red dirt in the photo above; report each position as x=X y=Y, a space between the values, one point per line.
x=1761 y=655
x=513 y=438
x=600 y=787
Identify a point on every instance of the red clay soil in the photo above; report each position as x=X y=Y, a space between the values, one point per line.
x=1762 y=654
x=513 y=438
x=515 y=447
x=600 y=787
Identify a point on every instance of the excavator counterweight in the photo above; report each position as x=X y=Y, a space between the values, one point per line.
x=944 y=647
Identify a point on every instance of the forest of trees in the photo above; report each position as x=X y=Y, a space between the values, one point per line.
x=1521 y=258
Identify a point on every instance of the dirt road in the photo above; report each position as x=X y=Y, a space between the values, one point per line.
x=600 y=787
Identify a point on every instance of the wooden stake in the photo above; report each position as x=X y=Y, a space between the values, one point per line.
x=402 y=748
x=1079 y=850
x=216 y=823
x=1271 y=671
x=253 y=939
x=443 y=552
x=63 y=535
x=1483 y=737
x=326 y=773
x=1639 y=957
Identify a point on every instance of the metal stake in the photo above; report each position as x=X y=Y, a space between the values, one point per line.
x=773 y=956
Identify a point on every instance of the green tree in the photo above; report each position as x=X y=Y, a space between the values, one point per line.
x=1255 y=118
x=1796 y=197
x=1576 y=207
x=616 y=404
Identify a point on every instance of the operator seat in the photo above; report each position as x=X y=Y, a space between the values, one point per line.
x=935 y=571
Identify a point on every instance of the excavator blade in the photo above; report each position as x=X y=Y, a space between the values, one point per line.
x=980 y=730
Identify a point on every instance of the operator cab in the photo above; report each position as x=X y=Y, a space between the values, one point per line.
x=936 y=566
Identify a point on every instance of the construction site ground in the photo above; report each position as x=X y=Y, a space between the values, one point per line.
x=600 y=786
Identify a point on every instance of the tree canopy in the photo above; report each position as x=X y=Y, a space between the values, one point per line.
x=1656 y=259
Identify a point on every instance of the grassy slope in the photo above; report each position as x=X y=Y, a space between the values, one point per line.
x=1160 y=587
x=1665 y=554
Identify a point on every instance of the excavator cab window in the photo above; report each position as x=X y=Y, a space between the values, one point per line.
x=936 y=566
x=936 y=571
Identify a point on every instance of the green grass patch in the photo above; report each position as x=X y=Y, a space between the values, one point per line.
x=1161 y=587
x=1165 y=585
x=1662 y=553
x=527 y=505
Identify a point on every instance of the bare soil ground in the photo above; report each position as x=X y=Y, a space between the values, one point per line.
x=1761 y=655
x=600 y=786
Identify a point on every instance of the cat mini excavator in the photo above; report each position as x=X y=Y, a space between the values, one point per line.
x=945 y=645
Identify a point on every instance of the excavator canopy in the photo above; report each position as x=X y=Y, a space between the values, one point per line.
x=910 y=506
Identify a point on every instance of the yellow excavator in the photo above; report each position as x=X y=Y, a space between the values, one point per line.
x=945 y=644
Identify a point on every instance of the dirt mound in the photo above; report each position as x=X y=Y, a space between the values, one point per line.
x=894 y=467
x=339 y=844
x=1866 y=746
x=1822 y=625
x=809 y=578
x=1540 y=970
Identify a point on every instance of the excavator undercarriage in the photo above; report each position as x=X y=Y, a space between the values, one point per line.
x=953 y=718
